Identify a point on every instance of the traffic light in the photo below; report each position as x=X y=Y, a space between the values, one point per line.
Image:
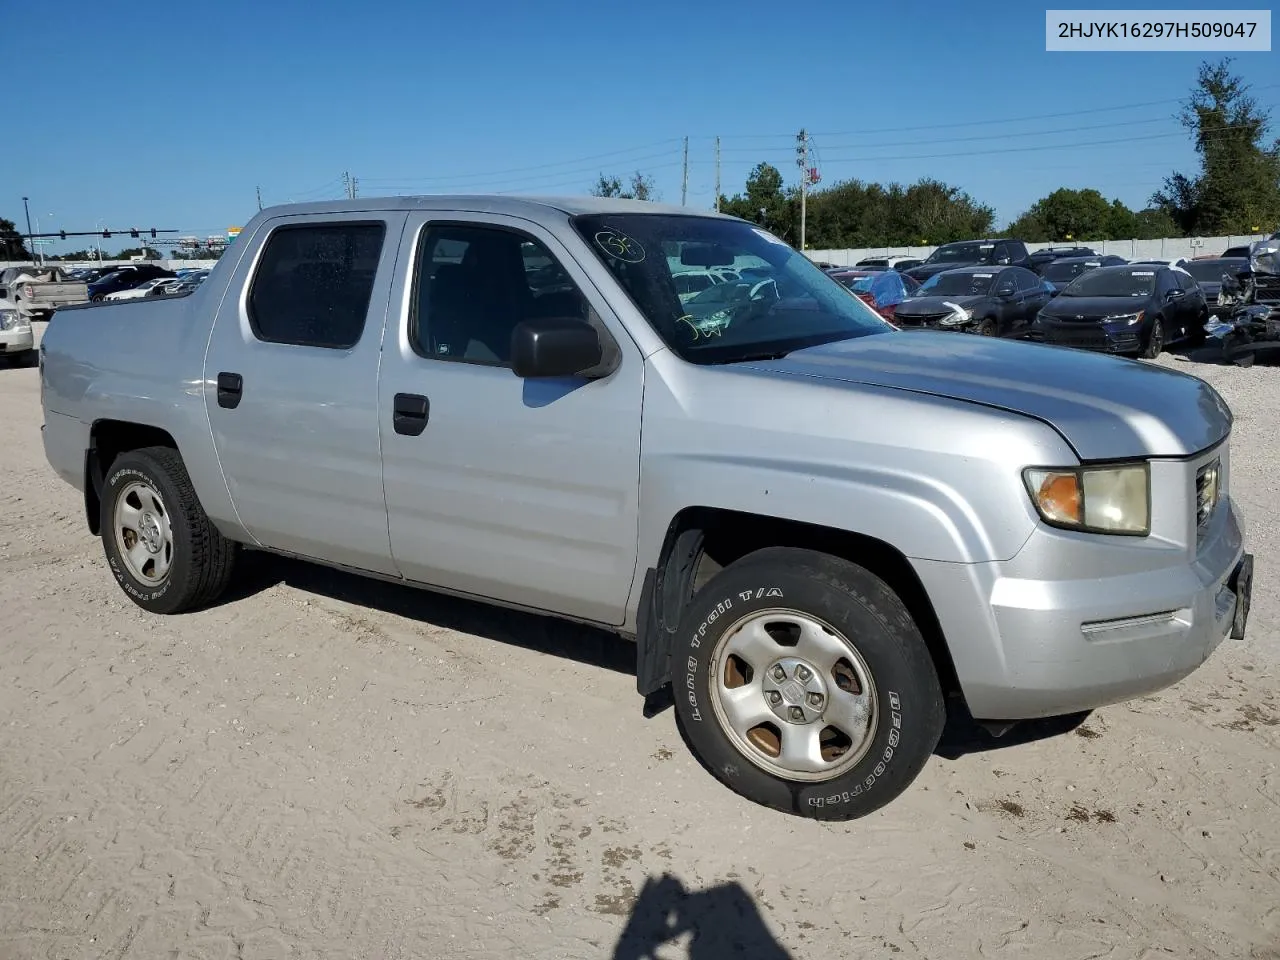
x=62 y=234
x=106 y=233
x=134 y=233
x=153 y=233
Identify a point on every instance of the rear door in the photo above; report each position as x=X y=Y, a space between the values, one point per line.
x=291 y=386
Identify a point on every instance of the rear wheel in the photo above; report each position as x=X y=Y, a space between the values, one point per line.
x=161 y=546
x=1155 y=340
x=802 y=683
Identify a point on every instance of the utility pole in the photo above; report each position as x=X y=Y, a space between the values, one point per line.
x=31 y=240
x=355 y=187
x=259 y=190
x=346 y=184
x=717 y=174
x=802 y=159
x=684 y=183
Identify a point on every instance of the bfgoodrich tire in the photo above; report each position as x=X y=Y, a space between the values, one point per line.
x=802 y=683
x=161 y=546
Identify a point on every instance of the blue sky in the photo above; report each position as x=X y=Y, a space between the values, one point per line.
x=224 y=96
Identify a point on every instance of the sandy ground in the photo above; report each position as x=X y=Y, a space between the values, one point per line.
x=328 y=767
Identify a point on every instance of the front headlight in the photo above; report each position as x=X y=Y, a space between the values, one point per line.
x=8 y=319
x=1131 y=319
x=1110 y=499
x=957 y=318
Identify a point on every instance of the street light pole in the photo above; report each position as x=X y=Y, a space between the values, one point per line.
x=31 y=240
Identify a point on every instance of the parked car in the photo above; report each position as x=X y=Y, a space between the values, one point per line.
x=1134 y=309
x=1058 y=273
x=1173 y=263
x=815 y=527
x=125 y=278
x=1037 y=260
x=141 y=290
x=882 y=290
x=889 y=263
x=1208 y=275
x=34 y=293
x=689 y=283
x=970 y=253
x=990 y=302
x=17 y=341
x=1232 y=253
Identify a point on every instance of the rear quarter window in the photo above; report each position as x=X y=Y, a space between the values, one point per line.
x=313 y=284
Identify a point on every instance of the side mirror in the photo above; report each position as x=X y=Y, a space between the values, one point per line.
x=555 y=347
x=1003 y=261
x=1173 y=295
x=1005 y=292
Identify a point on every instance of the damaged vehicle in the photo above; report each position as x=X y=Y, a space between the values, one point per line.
x=991 y=302
x=1248 y=322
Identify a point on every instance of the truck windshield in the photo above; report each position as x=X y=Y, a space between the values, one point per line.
x=960 y=253
x=781 y=303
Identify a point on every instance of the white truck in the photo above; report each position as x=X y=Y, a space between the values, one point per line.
x=35 y=292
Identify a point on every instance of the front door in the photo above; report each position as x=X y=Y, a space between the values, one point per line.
x=522 y=491
x=291 y=386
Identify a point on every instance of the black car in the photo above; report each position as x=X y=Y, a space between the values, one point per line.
x=1232 y=253
x=126 y=278
x=1058 y=273
x=1037 y=260
x=999 y=302
x=1208 y=274
x=970 y=253
x=1133 y=309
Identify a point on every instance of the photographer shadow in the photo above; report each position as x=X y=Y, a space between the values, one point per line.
x=721 y=922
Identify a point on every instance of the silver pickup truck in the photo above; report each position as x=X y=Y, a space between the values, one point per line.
x=816 y=528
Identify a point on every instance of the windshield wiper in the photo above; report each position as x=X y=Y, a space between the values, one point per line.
x=749 y=357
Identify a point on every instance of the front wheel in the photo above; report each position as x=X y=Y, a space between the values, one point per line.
x=987 y=328
x=161 y=546
x=1155 y=340
x=802 y=683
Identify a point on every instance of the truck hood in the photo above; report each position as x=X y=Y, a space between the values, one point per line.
x=1106 y=408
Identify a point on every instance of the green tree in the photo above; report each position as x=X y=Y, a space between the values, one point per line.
x=639 y=187
x=764 y=200
x=12 y=244
x=1068 y=214
x=1237 y=190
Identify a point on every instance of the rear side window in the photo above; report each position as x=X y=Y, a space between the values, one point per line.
x=314 y=282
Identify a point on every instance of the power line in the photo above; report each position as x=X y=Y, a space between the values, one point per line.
x=452 y=178
x=980 y=123
x=866 y=158
x=532 y=181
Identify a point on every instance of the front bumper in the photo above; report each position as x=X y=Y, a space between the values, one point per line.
x=18 y=340
x=1029 y=645
x=1104 y=338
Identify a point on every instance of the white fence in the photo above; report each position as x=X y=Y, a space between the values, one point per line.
x=1166 y=249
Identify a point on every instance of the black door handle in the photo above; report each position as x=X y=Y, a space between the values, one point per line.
x=230 y=390
x=409 y=414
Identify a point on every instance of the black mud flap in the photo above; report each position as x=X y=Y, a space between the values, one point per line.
x=1241 y=585
x=653 y=646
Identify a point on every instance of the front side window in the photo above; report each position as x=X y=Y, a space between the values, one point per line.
x=475 y=284
x=313 y=284
x=780 y=302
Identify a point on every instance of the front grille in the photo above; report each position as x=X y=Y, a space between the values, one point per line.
x=1208 y=490
x=1091 y=339
x=920 y=319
